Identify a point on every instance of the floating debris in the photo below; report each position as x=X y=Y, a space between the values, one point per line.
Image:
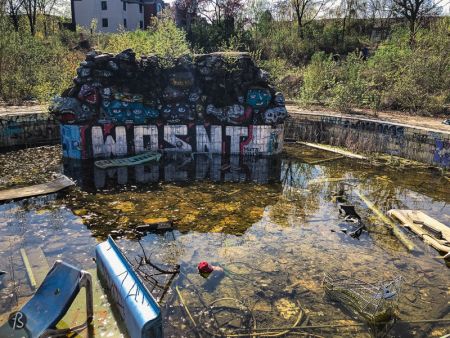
x=430 y=230
x=376 y=303
x=128 y=161
x=56 y=185
x=395 y=229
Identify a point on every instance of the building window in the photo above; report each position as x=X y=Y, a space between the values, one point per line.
x=125 y=23
x=158 y=8
x=140 y=8
x=104 y=22
x=104 y=6
x=124 y=6
x=141 y=24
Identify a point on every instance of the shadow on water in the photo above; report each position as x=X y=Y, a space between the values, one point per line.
x=272 y=225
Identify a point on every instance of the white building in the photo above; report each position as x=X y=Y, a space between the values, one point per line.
x=112 y=15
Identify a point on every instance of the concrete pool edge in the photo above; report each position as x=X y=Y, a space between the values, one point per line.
x=368 y=135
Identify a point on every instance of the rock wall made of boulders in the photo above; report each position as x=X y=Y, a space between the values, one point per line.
x=219 y=88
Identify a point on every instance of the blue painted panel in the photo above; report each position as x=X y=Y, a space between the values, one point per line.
x=139 y=310
x=258 y=97
x=71 y=141
x=129 y=112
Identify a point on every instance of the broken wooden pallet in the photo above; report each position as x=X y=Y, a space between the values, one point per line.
x=430 y=230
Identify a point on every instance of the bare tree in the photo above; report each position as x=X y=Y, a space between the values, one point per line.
x=216 y=11
x=185 y=12
x=46 y=8
x=282 y=10
x=31 y=7
x=349 y=10
x=306 y=11
x=13 y=9
x=380 y=11
x=414 y=11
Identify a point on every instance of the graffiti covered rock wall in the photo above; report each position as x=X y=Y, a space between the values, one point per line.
x=217 y=103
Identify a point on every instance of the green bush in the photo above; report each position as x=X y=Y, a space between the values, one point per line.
x=351 y=88
x=318 y=79
x=395 y=77
x=162 y=38
x=33 y=67
x=286 y=77
x=414 y=79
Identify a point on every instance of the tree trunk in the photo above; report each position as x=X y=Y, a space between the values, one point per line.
x=300 y=29
x=412 y=32
x=343 y=28
x=299 y=21
x=15 y=21
x=31 y=6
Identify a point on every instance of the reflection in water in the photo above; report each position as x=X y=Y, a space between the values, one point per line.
x=176 y=167
x=274 y=227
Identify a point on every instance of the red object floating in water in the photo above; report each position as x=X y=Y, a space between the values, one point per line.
x=205 y=267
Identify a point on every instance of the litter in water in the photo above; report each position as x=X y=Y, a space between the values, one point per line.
x=430 y=230
x=56 y=185
x=128 y=161
x=376 y=303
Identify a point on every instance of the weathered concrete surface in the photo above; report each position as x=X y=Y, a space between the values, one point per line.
x=431 y=122
x=27 y=126
x=370 y=135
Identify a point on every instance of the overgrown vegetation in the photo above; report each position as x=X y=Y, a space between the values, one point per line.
x=32 y=67
x=162 y=38
x=344 y=55
x=396 y=76
x=39 y=67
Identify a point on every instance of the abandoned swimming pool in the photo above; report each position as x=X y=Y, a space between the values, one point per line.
x=273 y=225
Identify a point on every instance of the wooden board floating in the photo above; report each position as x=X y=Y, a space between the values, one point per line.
x=27 y=265
x=395 y=229
x=325 y=160
x=433 y=232
x=333 y=150
x=36 y=190
x=128 y=161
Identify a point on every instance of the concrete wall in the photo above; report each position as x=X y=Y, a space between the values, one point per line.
x=366 y=135
x=86 y=10
x=26 y=130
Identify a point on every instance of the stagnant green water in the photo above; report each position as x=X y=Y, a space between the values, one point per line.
x=273 y=225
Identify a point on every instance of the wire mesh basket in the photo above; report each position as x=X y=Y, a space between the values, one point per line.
x=376 y=303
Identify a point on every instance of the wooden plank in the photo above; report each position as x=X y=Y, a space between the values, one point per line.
x=395 y=230
x=333 y=150
x=322 y=180
x=420 y=223
x=36 y=190
x=325 y=160
x=38 y=264
x=27 y=265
